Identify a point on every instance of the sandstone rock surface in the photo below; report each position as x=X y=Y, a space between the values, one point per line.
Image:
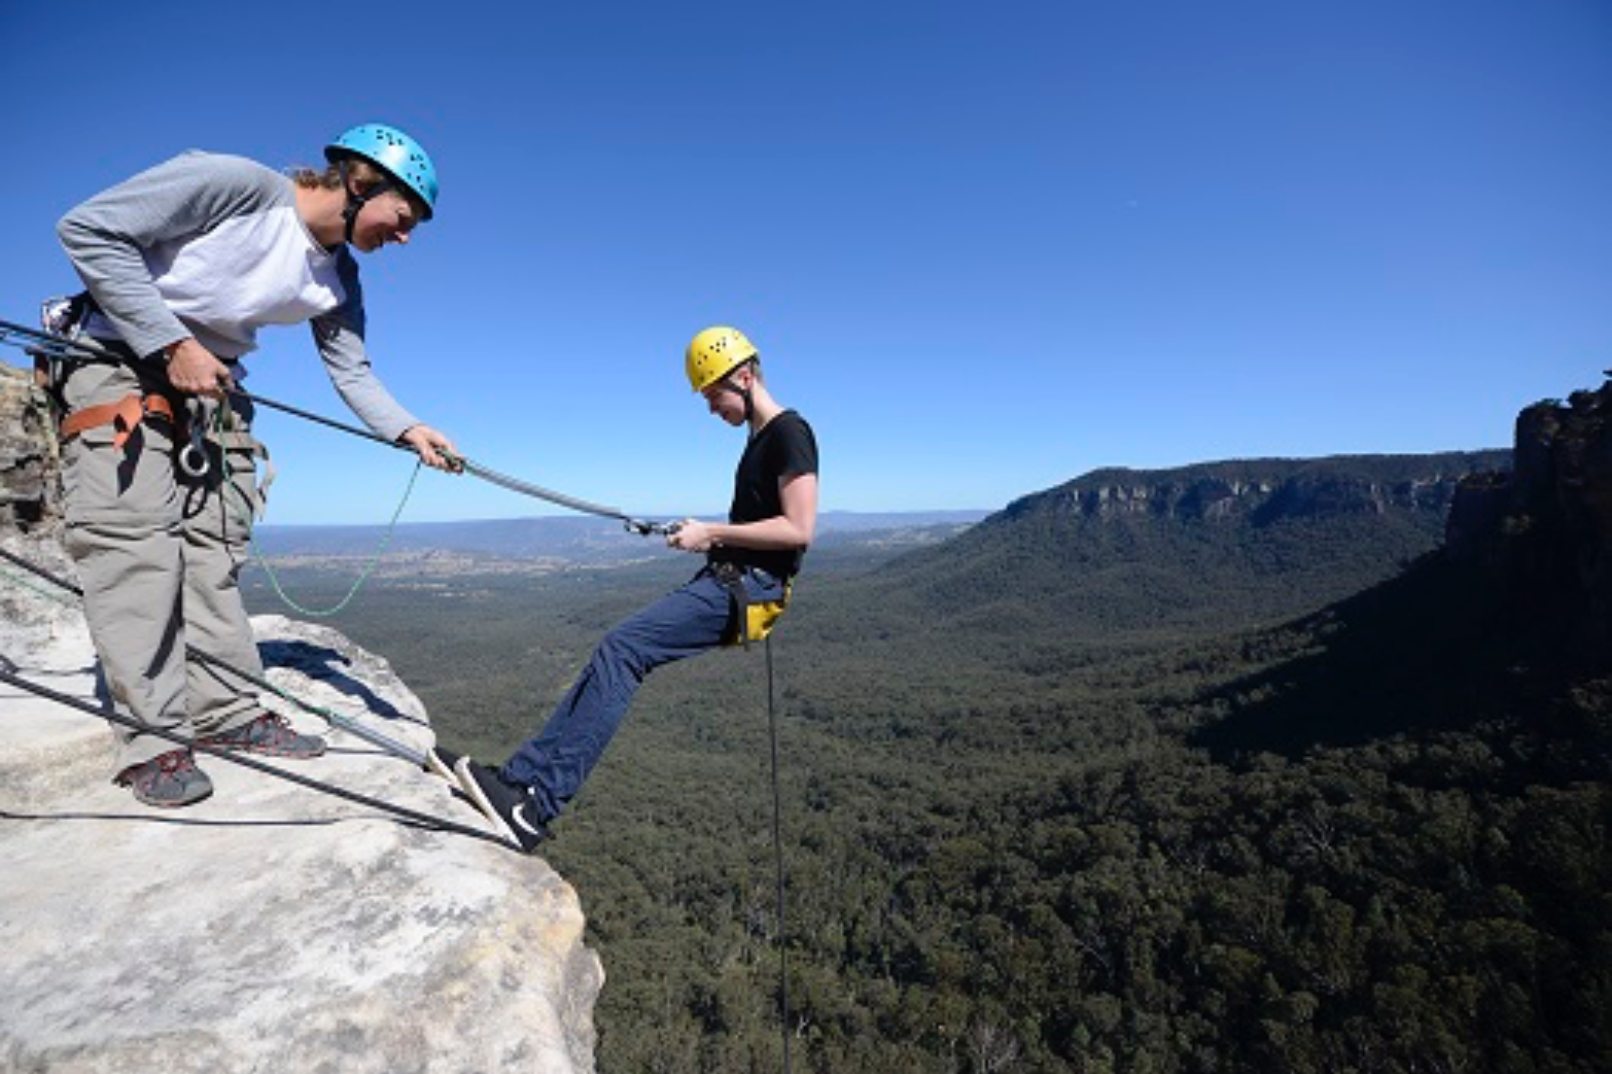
x=1543 y=532
x=30 y=486
x=269 y=928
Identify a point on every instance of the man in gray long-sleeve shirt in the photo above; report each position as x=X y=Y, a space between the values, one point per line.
x=183 y=264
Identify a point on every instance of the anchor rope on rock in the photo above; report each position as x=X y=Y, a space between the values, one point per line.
x=412 y=815
x=9 y=675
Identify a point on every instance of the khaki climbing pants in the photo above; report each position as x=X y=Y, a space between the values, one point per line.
x=159 y=555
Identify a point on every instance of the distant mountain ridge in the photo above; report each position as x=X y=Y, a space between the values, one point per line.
x=1265 y=490
x=1218 y=545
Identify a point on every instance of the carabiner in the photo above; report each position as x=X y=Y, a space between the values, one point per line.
x=651 y=529
x=193 y=458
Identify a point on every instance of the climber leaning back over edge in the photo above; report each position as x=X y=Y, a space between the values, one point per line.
x=183 y=264
x=750 y=563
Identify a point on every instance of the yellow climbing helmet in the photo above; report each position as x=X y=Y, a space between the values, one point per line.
x=714 y=354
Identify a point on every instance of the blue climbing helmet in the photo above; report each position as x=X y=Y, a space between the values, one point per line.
x=395 y=153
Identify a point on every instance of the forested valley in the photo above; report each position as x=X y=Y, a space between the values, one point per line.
x=1072 y=794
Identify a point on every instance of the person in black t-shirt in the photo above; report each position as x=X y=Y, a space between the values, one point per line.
x=744 y=586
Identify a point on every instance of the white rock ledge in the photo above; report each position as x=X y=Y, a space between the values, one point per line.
x=269 y=928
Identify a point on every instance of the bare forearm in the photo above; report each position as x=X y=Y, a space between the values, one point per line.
x=777 y=534
x=787 y=532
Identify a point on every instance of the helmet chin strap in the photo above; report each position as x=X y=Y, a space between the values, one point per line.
x=742 y=393
x=356 y=202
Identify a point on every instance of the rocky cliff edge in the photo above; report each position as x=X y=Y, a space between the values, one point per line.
x=269 y=928
x=1540 y=536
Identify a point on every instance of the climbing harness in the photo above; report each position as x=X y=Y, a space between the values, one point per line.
x=374 y=738
x=753 y=620
x=132 y=411
x=124 y=416
x=43 y=345
x=188 y=421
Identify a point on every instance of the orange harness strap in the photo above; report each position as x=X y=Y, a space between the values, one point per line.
x=123 y=415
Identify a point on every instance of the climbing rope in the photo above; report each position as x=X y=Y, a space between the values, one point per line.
x=19 y=580
x=778 y=861
x=194 y=461
x=84 y=349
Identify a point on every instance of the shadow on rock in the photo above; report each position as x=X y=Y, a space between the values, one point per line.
x=324 y=664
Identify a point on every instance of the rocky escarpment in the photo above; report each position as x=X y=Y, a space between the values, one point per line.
x=270 y=927
x=1214 y=546
x=30 y=482
x=1262 y=491
x=1542 y=534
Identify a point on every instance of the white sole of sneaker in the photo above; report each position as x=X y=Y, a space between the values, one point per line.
x=473 y=791
x=174 y=803
x=439 y=767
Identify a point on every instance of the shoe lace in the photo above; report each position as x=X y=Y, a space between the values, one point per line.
x=176 y=761
x=258 y=729
x=270 y=722
x=173 y=763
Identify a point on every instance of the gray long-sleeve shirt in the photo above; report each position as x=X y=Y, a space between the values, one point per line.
x=212 y=246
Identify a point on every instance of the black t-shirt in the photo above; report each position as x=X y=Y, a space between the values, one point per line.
x=785 y=447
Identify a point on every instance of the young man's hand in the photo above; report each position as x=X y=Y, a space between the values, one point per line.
x=433 y=448
x=194 y=370
x=691 y=536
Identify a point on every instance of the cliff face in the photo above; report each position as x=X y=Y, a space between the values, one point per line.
x=1542 y=534
x=269 y=927
x=1263 y=491
x=30 y=485
x=1213 y=547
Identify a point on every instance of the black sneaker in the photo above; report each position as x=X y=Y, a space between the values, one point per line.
x=268 y=734
x=168 y=780
x=440 y=762
x=509 y=807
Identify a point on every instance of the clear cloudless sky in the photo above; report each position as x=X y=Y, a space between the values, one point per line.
x=983 y=247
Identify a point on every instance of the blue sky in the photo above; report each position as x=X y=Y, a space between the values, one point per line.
x=984 y=248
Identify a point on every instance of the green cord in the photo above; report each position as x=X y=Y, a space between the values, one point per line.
x=221 y=420
x=17 y=579
x=363 y=576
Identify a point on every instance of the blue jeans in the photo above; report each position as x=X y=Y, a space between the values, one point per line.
x=687 y=621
